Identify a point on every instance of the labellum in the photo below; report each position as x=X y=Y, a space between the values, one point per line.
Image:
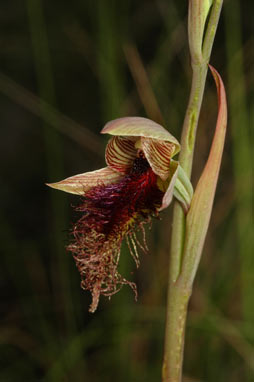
x=118 y=200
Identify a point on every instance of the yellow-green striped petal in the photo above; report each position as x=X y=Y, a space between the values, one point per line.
x=168 y=185
x=158 y=153
x=120 y=154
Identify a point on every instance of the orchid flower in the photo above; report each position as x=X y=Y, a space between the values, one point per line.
x=139 y=181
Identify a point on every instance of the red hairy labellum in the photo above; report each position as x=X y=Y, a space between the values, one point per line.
x=110 y=214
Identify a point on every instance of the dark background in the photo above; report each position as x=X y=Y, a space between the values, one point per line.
x=66 y=68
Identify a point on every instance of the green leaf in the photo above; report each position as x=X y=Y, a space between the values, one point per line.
x=198 y=217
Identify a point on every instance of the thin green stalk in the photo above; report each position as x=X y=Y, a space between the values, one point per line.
x=178 y=294
x=175 y=332
x=199 y=72
x=185 y=159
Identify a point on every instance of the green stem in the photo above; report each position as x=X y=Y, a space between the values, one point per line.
x=185 y=159
x=178 y=296
x=199 y=72
x=178 y=299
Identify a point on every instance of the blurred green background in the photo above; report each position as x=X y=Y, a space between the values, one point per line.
x=66 y=68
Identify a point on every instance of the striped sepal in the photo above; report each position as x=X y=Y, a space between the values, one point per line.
x=79 y=184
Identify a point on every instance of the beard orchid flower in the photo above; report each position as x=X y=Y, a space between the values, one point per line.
x=117 y=201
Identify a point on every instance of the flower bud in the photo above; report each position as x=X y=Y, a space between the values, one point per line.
x=198 y=12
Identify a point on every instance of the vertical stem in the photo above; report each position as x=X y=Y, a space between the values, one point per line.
x=185 y=159
x=174 y=333
x=199 y=72
x=178 y=296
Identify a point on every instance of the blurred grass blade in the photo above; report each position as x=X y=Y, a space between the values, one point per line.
x=143 y=84
x=51 y=116
x=109 y=34
x=110 y=29
x=242 y=153
x=54 y=162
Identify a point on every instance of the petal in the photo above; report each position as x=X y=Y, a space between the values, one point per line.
x=120 y=154
x=79 y=184
x=183 y=190
x=140 y=127
x=158 y=153
x=169 y=185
